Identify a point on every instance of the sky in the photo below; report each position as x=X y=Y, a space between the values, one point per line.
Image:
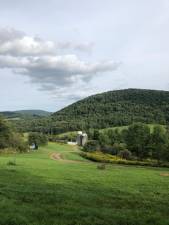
x=55 y=52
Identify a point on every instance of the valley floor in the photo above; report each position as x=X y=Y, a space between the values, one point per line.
x=42 y=189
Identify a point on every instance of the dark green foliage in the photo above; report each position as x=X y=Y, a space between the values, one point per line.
x=37 y=139
x=115 y=108
x=96 y=135
x=113 y=149
x=125 y=154
x=90 y=133
x=115 y=136
x=10 y=139
x=104 y=139
x=18 y=143
x=91 y=145
x=111 y=141
x=119 y=147
x=137 y=139
x=5 y=134
x=160 y=144
x=136 y=142
x=109 y=149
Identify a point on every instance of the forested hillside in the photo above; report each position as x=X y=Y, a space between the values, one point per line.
x=115 y=108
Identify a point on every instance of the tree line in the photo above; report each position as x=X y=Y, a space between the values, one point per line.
x=110 y=109
x=115 y=108
x=10 y=139
x=135 y=142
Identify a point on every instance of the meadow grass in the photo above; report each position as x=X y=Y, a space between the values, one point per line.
x=40 y=191
x=121 y=128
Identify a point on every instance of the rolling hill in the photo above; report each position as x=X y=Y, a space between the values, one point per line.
x=34 y=112
x=115 y=108
x=20 y=114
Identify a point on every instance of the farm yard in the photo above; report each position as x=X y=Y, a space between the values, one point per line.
x=55 y=185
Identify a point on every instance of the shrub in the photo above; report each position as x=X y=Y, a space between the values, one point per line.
x=104 y=139
x=106 y=158
x=22 y=147
x=125 y=154
x=119 y=147
x=91 y=146
x=109 y=150
x=5 y=134
x=18 y=143
x=37 y=139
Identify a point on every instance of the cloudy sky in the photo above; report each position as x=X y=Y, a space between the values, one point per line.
x=55 y=52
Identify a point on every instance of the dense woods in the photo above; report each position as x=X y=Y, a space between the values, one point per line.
x=115 y=108
x=137 y=142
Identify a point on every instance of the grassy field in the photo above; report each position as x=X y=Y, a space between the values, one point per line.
x=120 y=128
x=73 y=134
x=42 y=191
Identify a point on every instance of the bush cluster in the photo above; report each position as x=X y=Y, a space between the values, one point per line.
x=106 y=158
x=137 y=142
x=10 y=139
x=37 y=139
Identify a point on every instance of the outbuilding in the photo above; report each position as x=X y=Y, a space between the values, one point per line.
x=81 y=138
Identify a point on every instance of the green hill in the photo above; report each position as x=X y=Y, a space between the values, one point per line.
x=33 y=112
x=115 y=108
x=21 y=114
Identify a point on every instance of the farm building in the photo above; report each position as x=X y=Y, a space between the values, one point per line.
x=81 y=138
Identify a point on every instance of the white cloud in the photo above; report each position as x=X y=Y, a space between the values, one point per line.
x=38 y=60
x=86 y=47
x=13 y=42
x=134 y=32
x=17 y=43
x=55 y=71
x=10 y=34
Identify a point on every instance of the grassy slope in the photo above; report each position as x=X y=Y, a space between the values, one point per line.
x=120 y=128
x=41 y=191
x=67 y=134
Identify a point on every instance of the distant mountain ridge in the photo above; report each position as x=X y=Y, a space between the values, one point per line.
x=25 y=113
x=34 y=112
x=115 y=108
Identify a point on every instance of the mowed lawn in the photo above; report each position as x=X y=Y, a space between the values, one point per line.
x=42 y=191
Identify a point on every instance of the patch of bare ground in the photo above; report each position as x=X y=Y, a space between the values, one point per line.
x=58 y=157
x=164 y=174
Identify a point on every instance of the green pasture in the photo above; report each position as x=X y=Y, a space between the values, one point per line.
x=41 y=191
